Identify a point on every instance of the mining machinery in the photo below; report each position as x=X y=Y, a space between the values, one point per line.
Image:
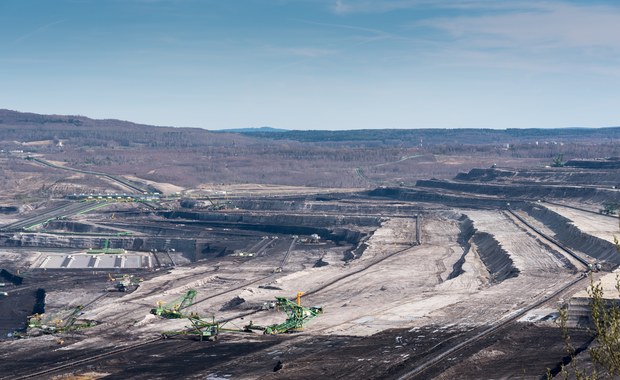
x=298 y=316
x=63 y=321
x=174 y=309
x=122 y=283
x=200 y=328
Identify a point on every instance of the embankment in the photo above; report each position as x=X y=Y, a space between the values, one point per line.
x=571 y=236
x=497 y=261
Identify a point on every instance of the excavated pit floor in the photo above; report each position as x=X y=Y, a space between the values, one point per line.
x=392 y=307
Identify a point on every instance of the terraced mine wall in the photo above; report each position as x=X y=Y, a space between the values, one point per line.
x=179 y=231
x=420 y=195
x=495 y=258
x=328 y=227
x=328 y=205
x=185 y=232
x=580 y=310
x=275 y=219
x=186 y=246
x=78 y=227
x=275 y=204
x=560 y=176
x=190 y=238
x=525 y=190
x=595 y=164
x=568 y=234
x=485 y=175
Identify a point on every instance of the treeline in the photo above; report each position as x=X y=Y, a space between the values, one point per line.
x=425 y=137
x=85 y=132
x=190 y=157
x=116 y=136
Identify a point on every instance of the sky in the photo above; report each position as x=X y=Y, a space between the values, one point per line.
x=315 y=64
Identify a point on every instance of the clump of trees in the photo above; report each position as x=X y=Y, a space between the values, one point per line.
x=610 y=208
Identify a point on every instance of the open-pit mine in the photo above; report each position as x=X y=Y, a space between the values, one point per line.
x=444 y=279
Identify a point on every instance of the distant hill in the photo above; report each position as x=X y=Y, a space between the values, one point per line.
x=353 y=158
x=461 y=136
x=9 y=117
x=92 y=132
x=87 y=132
x=253 y=130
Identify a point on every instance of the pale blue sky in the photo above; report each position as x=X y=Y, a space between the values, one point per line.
x=315 y=64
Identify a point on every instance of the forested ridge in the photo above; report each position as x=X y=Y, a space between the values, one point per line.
x=355 y=158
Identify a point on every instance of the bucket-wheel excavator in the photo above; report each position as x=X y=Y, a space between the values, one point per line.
x=203 y=329
x=175 y=309
x=63 y=321
x=298 y=316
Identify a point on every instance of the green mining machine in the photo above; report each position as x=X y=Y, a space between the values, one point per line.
x=124 y=282
x=63 y=321
x=298 y=316
x=203 y=329
x=174 y=309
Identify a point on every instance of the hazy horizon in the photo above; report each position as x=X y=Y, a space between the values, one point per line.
x=315 y=64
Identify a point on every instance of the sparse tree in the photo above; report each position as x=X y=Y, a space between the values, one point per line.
x=558 y=161
x=605 y=326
